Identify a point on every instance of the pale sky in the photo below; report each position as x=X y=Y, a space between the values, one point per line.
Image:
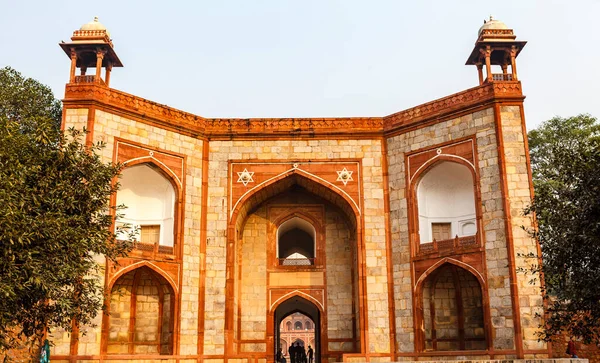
x=276 y=58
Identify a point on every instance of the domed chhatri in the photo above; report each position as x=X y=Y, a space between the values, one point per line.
x=91 y=47
x=496 y=45
x=94 y=25
x=492 y=24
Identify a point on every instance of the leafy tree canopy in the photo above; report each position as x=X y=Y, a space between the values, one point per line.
x=25 y=98
x=54 y=216
x=565 y=159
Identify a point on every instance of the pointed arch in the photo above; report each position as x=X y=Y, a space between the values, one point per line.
x=138 y=265
x=299 y=214
x=275 y=304
x=439 y=158
x=451 y=261
x=164 y=169
x=270 y=187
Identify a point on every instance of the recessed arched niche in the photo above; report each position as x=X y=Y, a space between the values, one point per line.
x=149 y=198
x=446 y=202
x=296 y=242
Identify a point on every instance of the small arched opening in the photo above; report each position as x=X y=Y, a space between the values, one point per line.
x=296 y=242
x=452 y=310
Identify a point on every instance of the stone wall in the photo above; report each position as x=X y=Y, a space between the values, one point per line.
x=481 y=126
x=340 y=271
x=106 y=128
x=120 y=306
x=519 y=197
x=254 y=279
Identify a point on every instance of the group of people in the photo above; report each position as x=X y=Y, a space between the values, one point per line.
x=297 y=354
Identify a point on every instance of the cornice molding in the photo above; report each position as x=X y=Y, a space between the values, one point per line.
x=220 y=128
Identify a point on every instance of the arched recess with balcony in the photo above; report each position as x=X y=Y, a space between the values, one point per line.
x=445 y=206
x=151 y=198
x=141 y=320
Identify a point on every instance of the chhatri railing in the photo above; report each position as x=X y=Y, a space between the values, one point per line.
x=502 y=77
x=88 y=79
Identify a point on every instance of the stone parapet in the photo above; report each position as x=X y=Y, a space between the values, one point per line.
x=161 y=115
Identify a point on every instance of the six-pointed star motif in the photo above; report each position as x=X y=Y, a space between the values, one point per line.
x=344 y=176
x=245 y=176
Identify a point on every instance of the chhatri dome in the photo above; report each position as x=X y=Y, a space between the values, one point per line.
x=94 y=25
x=492 y=24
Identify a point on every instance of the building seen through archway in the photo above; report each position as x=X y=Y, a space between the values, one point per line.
x=296 y=329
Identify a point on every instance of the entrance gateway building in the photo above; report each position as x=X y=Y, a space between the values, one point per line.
x=396 y=237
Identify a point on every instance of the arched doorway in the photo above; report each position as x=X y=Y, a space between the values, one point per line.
x=304 y=311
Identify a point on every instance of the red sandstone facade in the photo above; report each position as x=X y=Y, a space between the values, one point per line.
x=394 y=264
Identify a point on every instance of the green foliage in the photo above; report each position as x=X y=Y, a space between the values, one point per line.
x=565 y=158
x=55 y=219
x=25 y=98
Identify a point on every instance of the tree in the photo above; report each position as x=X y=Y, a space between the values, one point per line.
x=25 y=98
x=565 y=160
x=55 y=218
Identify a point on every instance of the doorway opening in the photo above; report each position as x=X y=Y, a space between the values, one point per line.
x=297 y=326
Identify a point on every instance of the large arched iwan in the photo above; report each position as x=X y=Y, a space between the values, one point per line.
x=270 y=189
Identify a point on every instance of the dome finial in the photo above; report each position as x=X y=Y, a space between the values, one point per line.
x=95 y=18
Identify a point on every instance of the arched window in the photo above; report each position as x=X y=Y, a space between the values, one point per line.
x=453 y=317
x=150 y=201
x=308 y=325
x=288 y=326
x=141 y=319
x=298 y=325
x=296 y=242
x=446 y=203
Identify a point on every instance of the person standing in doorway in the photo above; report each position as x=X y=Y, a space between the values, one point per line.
x=292 y=352
x=310 y=354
